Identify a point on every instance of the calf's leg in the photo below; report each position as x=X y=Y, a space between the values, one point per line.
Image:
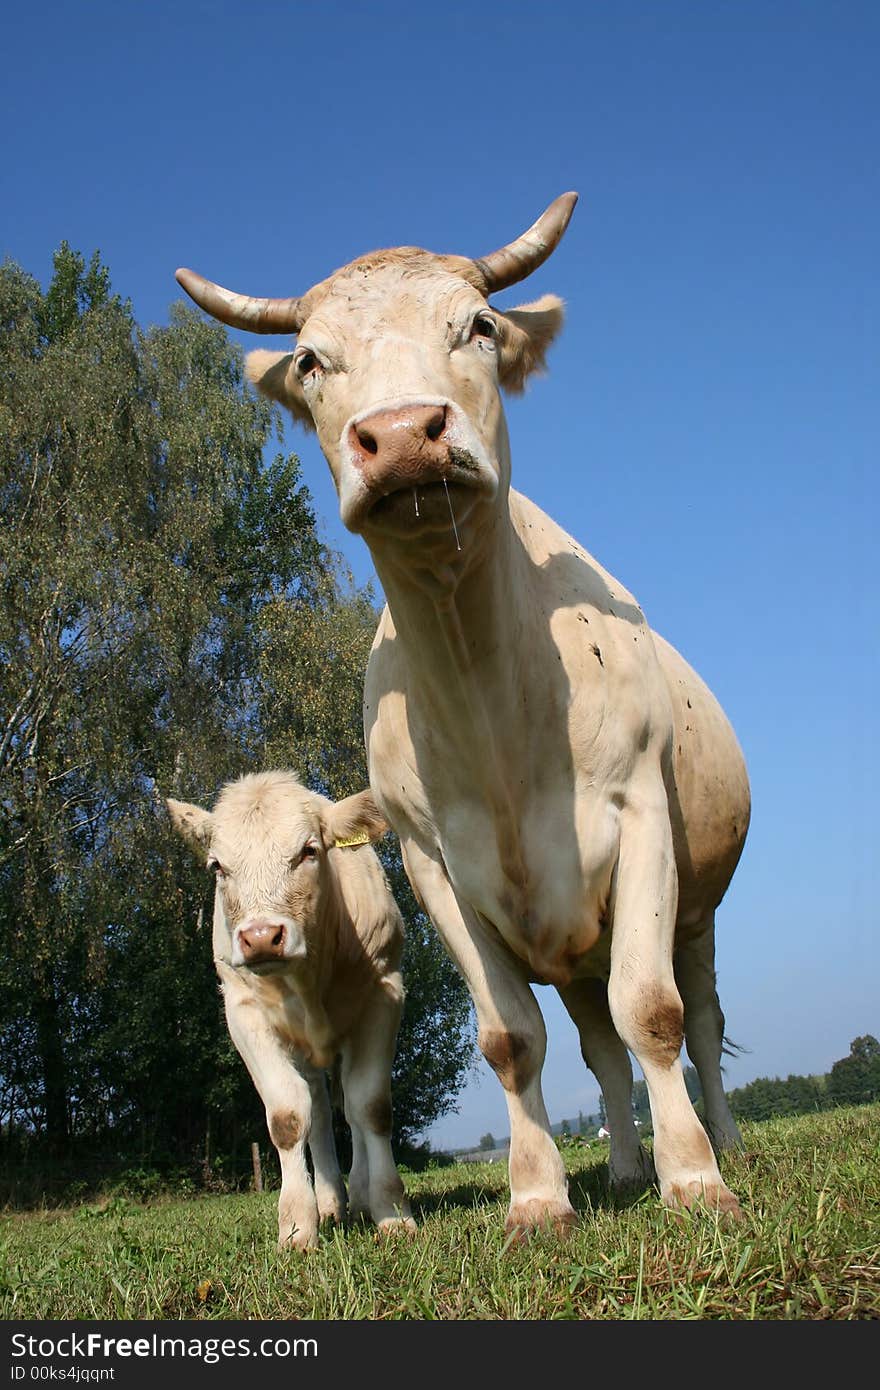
x=329 y=1187
x=287 y=1098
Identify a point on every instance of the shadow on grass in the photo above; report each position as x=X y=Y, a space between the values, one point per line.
x=589 y=1189
x=466 y=1195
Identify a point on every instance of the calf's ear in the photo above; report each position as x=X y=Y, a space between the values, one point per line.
x=355 y=819
x=273 y=375
x=527 y=333
x=195 y=825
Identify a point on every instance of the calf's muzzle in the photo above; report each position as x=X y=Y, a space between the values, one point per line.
x=262 y=942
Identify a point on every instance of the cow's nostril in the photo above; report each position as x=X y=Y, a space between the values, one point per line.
x=367 y=440
x=437 y=423
x=278 y=937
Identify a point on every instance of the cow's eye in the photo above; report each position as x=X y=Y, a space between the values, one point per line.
x=484 y=327
x=308 y=852
x=305 y=364
x=216 y=868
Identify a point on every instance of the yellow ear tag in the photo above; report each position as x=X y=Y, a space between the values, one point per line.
x=362 y=839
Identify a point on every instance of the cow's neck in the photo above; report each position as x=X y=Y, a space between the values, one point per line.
x=464 y=628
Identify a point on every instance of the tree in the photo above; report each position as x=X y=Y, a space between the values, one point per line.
x=164 y=586
x=312 y=716
x=487 y=1143
x=855 y=1080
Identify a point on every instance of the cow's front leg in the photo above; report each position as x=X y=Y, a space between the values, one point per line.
x=513 y=1040
x=286 y=1096
x=646 y=1006
x=329 y=1187
x=629 y=1165
x=367 y=1057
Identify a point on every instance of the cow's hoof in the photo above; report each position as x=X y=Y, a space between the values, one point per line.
x=633 y=1178
x=395 y=1226
x=714 y=1198
x=526 y=1218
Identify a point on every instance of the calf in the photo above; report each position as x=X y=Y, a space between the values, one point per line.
x=307 y=944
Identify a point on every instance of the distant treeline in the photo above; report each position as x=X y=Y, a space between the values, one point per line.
x=853 y=1080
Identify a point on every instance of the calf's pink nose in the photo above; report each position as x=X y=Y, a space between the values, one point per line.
x=262 y=941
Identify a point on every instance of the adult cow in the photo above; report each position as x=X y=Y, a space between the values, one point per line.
x=570 y=799
x=307 y=943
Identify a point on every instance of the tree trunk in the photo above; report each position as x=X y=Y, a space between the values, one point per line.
x=53 y=1069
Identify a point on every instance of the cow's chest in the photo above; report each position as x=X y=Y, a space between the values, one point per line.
x=541 y=877
x=534 y=858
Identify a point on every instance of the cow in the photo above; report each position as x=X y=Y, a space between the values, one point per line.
x=307 y=944
x=571 y=800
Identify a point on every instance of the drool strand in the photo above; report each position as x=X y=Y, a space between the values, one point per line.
x=452 y=515
x=416 y=500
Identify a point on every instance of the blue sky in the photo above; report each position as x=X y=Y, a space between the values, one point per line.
x=709 y=425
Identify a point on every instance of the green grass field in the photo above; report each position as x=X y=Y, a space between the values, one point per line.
x=807 y=1248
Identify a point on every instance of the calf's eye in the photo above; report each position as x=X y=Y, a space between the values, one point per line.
x=308 y=852
x=216 y=868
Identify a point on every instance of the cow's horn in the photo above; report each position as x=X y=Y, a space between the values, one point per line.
x=241 y=310
x=521 y=257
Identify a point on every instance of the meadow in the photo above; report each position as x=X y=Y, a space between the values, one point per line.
x=808 y=1248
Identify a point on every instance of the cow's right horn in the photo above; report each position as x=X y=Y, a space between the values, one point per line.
x=518 y=259
x=242 y=310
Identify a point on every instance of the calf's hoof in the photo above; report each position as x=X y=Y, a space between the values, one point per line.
x=395 y=1226
x=298 y=1239
x=332 y=1213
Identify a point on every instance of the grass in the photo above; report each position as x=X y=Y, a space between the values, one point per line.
x=808 y=1248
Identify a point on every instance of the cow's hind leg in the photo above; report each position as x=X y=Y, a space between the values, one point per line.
x=694 y=964
x=367 y=1057
x=329 y=1187
x=646 y=1006
x=629 y=1165
x=513 y=1040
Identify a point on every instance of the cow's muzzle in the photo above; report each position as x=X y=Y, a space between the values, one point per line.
x=409 y=447
x=397 y=448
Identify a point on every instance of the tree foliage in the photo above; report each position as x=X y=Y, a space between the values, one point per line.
x=170 y=618
x=853 y=1080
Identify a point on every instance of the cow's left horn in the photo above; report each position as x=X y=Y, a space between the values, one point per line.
x=241 y=310
x=521 y=257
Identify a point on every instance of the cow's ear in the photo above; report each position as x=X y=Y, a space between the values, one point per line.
x=195 y=825
x=527 y=333
x=273 y=375
x=354 y=820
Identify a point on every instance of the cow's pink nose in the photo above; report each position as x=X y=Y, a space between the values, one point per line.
x=400 y=440
x=262 y=941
